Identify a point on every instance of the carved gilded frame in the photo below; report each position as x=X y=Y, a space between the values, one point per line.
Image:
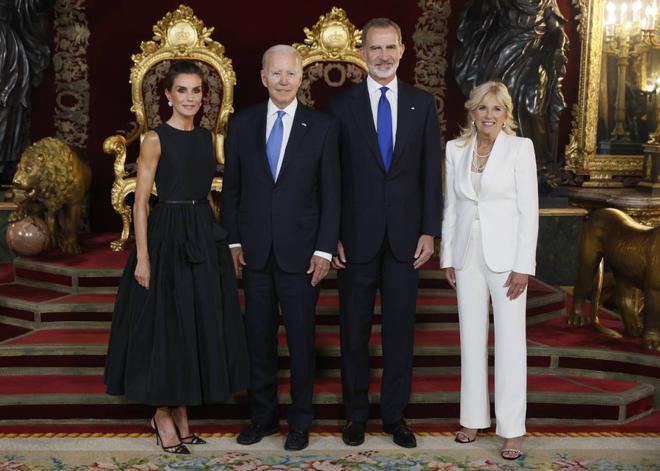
x=581 y=156
x=332 y=39
x=178 y=35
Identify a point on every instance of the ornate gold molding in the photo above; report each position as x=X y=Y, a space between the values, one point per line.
x=181 y=35
x=430 y=43
x=330 y=53
x=332 y=39
x=580 y=152
x=178 y=35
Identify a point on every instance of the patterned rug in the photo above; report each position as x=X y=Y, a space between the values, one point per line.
x=327 y=453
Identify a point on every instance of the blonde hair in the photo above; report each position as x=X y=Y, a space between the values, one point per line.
x=477 y=94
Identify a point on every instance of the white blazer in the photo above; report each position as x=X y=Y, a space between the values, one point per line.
x=507 y=205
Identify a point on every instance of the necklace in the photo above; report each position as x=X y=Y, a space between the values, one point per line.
x=479 y=161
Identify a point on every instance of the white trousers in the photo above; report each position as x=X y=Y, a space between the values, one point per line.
x=474 y=283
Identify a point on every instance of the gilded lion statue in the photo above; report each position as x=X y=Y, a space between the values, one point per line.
x=633 y=252
x=55 y=181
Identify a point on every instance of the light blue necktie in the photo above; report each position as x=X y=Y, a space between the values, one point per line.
x=384 y=132
x=274 y=144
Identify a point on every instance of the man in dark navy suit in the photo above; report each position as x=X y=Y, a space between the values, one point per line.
x=280 y=204
x=391 y=199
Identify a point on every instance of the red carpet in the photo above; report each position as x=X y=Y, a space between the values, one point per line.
x=59 y=330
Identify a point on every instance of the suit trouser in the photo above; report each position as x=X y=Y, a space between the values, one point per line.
x=474 y=283
x=265 y=289
x=357 y=293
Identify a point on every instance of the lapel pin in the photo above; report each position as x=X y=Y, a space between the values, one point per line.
x=304 y=124
x=412 y=107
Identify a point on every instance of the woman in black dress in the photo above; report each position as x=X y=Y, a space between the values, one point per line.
x=177 y=336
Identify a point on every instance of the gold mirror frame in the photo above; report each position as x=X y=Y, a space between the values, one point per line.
x=581 y=151
x=178 y=35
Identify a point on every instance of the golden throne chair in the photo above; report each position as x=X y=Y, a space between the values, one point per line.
x=331 y=58
x=178 y=35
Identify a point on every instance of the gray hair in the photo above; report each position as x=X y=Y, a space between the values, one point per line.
x=280 y=48
x=380 y=23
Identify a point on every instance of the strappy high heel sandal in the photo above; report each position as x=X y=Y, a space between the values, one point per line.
x=191 y=439
x=463 y=437
x=178 y=449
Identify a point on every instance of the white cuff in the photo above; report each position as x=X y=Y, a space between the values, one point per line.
x=325 y=255
x=232 y=246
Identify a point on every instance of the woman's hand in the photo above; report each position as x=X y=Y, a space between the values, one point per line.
x=517 y=282
x=143 y=272
x=450 y=274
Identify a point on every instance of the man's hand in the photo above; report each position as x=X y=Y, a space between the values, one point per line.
x=450 y=274
x=319 y=267
x=143 y=272
x=237 y=258
x=339 y=260
x=424 y=250
x=517 y=282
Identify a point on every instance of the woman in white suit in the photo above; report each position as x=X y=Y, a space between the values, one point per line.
x=488 y=251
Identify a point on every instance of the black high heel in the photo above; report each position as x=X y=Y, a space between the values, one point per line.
x=178 y=449
x=191 y=439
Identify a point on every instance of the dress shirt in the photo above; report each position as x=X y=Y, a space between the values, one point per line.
x=287 y=122
x=392 y=96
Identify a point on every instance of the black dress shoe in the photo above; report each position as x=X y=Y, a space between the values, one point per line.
x=296 y=440
x=401 y=434
x=353 y=433
x=254 y=432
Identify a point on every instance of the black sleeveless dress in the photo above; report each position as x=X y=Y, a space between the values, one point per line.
x=182 y=341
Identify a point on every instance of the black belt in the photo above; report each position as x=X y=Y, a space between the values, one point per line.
x=204 y=201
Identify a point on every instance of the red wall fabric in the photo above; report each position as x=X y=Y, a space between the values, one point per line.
x=246 y=29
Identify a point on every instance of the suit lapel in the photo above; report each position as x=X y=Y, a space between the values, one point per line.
x=298 y=131
x=405 y=121
x=361 y=107
x=260 y=132
x=466 y=164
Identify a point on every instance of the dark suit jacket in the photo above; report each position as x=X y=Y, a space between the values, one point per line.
x=299 y=213
x=404 y=203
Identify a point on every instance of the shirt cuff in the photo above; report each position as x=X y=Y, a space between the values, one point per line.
x=325 y=255
x=232 y=246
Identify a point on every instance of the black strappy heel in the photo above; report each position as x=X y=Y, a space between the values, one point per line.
x=191 y=439
x=178 y=449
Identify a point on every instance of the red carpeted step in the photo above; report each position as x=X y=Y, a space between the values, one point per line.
x=92 y=298
x=52 y=384
x=63 y=337
x=6 y=272
x=33 y=294
x=422 y=383
x=557 y=333
x=96 y=254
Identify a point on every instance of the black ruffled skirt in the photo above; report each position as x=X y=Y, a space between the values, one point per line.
x=182 y=341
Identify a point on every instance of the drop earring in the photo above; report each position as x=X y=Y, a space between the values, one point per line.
x=169 y=103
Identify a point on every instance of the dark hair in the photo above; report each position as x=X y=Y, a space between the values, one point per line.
x=380 y=23
x=182 y=67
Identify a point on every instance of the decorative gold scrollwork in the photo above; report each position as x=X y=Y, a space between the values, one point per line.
x=178 y=35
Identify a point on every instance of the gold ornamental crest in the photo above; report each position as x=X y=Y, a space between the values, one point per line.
x=332 y=38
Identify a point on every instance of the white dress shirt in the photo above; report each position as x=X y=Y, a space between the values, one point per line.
x=392 y=96
x=287 y=122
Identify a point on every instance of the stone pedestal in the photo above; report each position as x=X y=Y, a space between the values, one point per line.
x=643 y=207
